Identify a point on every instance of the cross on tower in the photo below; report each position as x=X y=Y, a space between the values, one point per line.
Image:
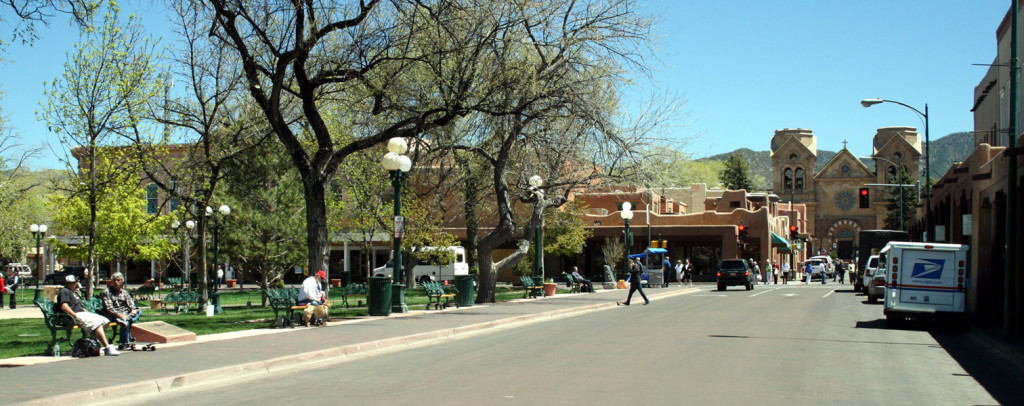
x=844 y=144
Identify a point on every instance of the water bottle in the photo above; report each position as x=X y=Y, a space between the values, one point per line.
x=56 y=350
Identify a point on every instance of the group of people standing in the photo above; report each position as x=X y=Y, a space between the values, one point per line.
x=9 y=285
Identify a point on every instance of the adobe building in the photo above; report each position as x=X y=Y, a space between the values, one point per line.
x=834 y=213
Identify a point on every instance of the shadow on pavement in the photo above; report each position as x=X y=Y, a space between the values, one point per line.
x=1000 y=374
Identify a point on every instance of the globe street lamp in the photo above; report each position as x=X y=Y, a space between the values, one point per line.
x=38 y=231
x=538 y=264
x=927 y=162
x=222 y=211
x=397 y=164
x=189 y=226
x=627 y=215
x=899 y=175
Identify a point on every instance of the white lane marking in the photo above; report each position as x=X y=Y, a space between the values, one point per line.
x=829 y=293
x=791 y=294
x=763 y=292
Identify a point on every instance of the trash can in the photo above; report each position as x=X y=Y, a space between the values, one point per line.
x=379 y=295
x=464 y=284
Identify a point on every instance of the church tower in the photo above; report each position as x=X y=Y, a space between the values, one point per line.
x=794 y=155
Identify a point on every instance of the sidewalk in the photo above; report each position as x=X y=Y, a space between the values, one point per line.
x=224 y=356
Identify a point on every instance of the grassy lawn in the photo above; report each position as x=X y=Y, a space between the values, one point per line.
x=23 y=337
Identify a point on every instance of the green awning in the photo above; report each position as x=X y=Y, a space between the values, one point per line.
x=780 y=243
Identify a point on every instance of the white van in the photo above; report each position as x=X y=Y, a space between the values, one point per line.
x=924 y=280
x=426 y=270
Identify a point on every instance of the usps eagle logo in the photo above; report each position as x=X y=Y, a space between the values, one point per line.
x=928 y=269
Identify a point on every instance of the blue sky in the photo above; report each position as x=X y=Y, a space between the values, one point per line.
x=745 y=67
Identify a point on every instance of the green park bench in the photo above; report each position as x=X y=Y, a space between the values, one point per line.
x=182 y=300
x=284 y=303
x=144 y=293
x=353 y=290
x=532 y=289
x=575 y=286
x=435 y=292
x=56 y=320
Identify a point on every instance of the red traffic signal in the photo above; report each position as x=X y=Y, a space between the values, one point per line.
x=792 y=229
x=865 y=200
x=742 y=228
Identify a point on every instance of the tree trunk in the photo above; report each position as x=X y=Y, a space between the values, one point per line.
x=488 y=279
x=316 y=222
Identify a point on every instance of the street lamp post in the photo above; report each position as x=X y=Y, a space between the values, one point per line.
x=223 y=210
x=397 y=164
x=627 y=215
x=929 y=236
x=38 y=231
x=899 y=175
x=538 y=263
x=189 y=226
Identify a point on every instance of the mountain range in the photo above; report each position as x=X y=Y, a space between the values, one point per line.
x=945 y=151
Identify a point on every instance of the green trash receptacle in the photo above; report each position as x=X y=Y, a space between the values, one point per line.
x=378 y=296
x=464 y=285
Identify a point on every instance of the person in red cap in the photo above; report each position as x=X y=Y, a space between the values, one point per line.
x=312 y=292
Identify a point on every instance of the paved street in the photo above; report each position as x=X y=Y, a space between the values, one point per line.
x=798 y=344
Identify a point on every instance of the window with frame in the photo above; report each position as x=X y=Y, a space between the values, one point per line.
x=152 y=202
x=799 y=179
x=787 y=179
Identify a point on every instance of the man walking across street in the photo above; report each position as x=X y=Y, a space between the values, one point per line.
x=634 y=283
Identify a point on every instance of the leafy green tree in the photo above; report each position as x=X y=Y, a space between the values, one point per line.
x=908 y=195
x=565 y=233
x=265 y=228
x=17 y=208
x=106 y=84
x=736 y=175
x=124 y=230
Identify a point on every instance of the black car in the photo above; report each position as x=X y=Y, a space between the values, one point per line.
x=735 y=272
x=57 y=278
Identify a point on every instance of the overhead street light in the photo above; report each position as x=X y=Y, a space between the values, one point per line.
x=928 y=234
x=397 y=164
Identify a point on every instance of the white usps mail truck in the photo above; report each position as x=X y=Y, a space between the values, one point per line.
x=924 y=280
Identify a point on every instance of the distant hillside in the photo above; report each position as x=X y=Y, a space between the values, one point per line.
x=945 y=151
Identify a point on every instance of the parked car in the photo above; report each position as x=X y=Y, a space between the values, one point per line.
x=733 y=272
x=876 y=286
x=869 y=270
x=57 y=278
x=23 y=270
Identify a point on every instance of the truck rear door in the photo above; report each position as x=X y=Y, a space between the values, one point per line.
x=927 y=276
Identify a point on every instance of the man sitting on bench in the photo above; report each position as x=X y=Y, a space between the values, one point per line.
x=581 y=279
x=312 y=293
x=91 y=323
x=119 y=306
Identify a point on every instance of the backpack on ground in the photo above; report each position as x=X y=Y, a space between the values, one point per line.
x=86 y=347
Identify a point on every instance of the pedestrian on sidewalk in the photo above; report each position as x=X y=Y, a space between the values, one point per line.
x=688 y=271
x=679 y=272
x=785 y=273
x=634 y=283
x=3 y=289
x=841 y=272
x=775 y=271
x=666 y=268
x=767 y=271
x=808 y=271
x=12 y=283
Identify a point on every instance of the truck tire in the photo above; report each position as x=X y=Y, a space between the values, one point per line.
x=721 y=287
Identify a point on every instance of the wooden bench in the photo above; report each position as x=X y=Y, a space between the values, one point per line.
x=181 y=300
x=532 y=289
x=56 y=320
x=351 y=291
x=435 y=292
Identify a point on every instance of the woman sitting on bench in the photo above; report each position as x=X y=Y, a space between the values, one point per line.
x=312 y=293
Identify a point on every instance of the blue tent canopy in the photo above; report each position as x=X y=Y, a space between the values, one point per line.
x=650 y=250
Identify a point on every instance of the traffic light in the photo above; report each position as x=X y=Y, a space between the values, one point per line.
x=743 y=231
x=865 y=200
x=793 y=232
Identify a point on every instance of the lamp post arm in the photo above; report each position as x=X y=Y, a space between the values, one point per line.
x=923 y=115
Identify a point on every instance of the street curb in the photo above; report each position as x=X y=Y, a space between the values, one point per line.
x=241 y=372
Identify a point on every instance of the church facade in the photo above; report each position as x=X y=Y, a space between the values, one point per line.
x=834 y=212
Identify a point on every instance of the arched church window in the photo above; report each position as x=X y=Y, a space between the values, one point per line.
x=787 y=179
x=892 y=174
x=799 y=179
